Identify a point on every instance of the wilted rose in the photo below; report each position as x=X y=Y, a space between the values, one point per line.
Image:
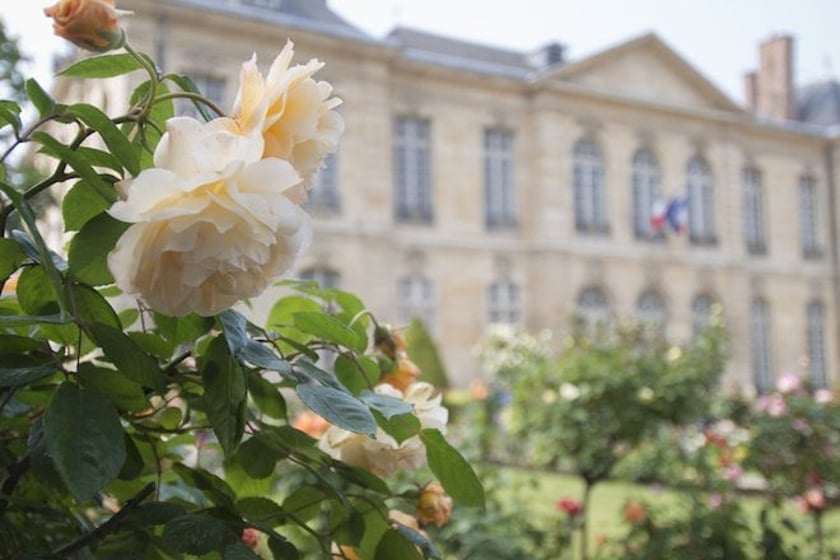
x=434 y=506
x=212 y=222
x=89 y=24
x=293 y=112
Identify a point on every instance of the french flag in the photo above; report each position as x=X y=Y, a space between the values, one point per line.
x=671 y=214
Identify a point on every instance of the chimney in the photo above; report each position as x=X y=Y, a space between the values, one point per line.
x=773 y=89
x=548 y=55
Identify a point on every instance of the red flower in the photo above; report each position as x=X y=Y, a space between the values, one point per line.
x=570 y=506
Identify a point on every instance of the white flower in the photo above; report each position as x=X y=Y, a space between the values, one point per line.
x=294 y=113
x=384 y=456
x=213 y=223
x=569 y=391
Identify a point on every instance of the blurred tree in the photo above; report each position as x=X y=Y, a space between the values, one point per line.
x=11 y=58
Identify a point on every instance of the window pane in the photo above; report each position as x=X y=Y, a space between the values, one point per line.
x=412 y=172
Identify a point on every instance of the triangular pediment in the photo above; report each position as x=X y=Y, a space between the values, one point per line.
x=645 y=69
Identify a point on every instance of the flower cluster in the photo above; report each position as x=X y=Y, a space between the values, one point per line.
x=218 y=217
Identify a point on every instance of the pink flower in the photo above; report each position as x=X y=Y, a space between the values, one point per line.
x=815 y=499
x=570 y=506
x=774 y=405
x=788 y=383
x=733 y=472
x=715 y=501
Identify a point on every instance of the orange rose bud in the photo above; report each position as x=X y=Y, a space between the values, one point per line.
x=89 y=24
x=405 y=374
x=311 y=424
x=434 y=505
x=391 y=343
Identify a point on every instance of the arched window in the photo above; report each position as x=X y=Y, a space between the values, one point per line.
x=761 y=346
x=701 y=202
x=647 y=191
x=815 y=319
x=650 y=310
x=592 y=307
x=701 y=312
x=590 y=189
x=504 y=304
x=416 y=298
x=753 y=207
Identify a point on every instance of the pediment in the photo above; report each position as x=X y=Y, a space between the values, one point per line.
x=645 y=69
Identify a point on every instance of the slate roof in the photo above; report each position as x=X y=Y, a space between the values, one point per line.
x=819 y=103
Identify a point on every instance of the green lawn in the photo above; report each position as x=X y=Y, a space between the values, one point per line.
x=542 y=490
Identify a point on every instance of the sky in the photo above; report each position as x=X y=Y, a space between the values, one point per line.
x=719 y=38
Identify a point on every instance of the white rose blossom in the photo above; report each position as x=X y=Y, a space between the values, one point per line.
x=294 y=113
x=212 y=222
x=384 y=456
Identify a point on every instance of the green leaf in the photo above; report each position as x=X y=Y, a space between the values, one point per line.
x=394 y=545
x=454 y=472
x=215 y=488
x=234 y=325
x=84 y=439
x=356 y=374
x=32 y=251
x=239 y=551
x=89 y=307
x=388 y=406
x=124 y=353
x=264 y=357
x=35 y=292
x=256 y=458
x=305 y=502
x=104 y=66
x=133 y=466
x=11 y=257
x=400 y=427
x=116 y=141
x=181 y=330
x=158 y=513
x=329 y=328
x=39 y=98
x=10 y=114
x=224 y=394
x=258 y=509
x=311 y=371
x=76 y=160
x=280 y=317
x=88 y=254
x=22 y=369
x=14 y=344
x=281 y=548
x=266 y=396
x=119 y=389
x=81 y=203
x=194 y=533
x=338 y=407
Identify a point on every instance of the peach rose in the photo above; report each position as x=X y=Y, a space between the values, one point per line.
x=294 y=113
x=213 y=223
x=89 y=24
x=434 y=505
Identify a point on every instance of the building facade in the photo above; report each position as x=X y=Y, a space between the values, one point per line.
x=477 y=186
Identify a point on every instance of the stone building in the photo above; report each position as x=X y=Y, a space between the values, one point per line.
x=477 y=185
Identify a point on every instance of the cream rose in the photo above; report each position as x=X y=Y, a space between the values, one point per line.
x=383 y=456
x=213 y=223
x=294 y=113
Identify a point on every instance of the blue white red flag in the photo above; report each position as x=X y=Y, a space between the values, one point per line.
x=671 y=214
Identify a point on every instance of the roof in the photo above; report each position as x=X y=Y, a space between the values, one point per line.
x=819 y=103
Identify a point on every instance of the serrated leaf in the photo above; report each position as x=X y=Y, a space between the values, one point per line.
x=194 y=533
x=88 y=254
x=124 y=393
x=328 y=328
x=42 y=101
x=11 y=257
x=338 y=407
x=454 y=472
x=124 y=353
x=81 y=203
x=84 y=439
x=116 y=141
x=266 y=396
x=224 y=394
x=104 y=66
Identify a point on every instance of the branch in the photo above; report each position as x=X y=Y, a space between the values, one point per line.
x=109 y=526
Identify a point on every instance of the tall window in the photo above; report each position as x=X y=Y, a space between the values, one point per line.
x=412 y=171
x=701 y=202
x=592 y=308
x=323 y=194
x=503 y=303
x=650 y=310
x=815 y=318
x=808 y=218
x=590 y=188
x=760 y=345
x=753 y=205
x=211 y=87
x=646 y=191
x=326 y=278
x=701 y=313
x=499 y=202
x=416 y=298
